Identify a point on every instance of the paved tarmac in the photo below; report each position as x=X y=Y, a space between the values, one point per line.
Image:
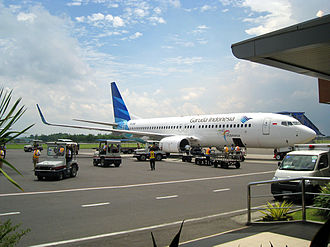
x=204 y=196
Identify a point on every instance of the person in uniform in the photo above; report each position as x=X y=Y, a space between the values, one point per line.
x=35 y=158
x=226 y=151
x=152 y=159
x=207 y=155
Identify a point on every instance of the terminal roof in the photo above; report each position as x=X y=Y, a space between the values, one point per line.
x=302 y=48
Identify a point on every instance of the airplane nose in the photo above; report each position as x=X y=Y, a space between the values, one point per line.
x=307 y=134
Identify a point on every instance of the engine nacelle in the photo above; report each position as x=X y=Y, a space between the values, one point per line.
x=173 y=144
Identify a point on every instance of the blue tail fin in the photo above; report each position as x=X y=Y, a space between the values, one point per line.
x=119 y=108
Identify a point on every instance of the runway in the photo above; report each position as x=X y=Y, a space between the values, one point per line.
x=121 y=206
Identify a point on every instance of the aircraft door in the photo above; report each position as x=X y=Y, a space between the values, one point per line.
x=266 y=127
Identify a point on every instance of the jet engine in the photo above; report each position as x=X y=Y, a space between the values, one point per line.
x=173 y=144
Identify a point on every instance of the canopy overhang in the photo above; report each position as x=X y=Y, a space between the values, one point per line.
x=303 y=48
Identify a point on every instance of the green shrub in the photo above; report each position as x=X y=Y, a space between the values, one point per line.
x=277 y=212
x=8 y=235
x=323 y=201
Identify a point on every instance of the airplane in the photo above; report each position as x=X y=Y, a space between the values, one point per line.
x=249 y=130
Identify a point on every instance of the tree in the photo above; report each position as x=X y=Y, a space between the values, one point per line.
x=9 y=115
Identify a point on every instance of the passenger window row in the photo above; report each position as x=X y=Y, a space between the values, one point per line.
x=210 y=126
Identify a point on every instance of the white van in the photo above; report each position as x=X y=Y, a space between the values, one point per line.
x=307 y=160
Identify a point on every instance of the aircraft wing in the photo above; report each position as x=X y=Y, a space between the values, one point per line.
x=116 y=131
x=96 y=122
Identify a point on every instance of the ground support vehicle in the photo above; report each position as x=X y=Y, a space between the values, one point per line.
x=34 y=144
x=187 y=157
x=279 y=153
x=307 y=160
x=108 y=153
x=222 y=159
x=192 y=153
x=144 y=153
x=225 y=160
x=200 y=160
x=60 y=162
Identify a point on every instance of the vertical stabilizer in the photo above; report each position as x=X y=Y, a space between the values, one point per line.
x=119 y=108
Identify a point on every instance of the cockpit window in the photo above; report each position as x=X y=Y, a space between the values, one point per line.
x=289 y=123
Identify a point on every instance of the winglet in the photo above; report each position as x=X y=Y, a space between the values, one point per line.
x=42 y=116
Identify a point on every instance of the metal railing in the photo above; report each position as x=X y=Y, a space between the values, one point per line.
x=303 y=194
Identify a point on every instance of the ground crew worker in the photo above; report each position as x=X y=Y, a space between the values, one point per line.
x=36 y=155
x=152 y=160
x=61 y=151
x=207 y=155
x=2 y=156
x=68 y=155
x=237 y=149
x=226 y=150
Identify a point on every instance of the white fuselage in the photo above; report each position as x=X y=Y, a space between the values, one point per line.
x=257 y=130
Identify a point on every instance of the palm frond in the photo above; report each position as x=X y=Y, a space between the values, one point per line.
x=9 y=115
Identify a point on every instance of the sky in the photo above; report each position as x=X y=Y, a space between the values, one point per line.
x=168 y=58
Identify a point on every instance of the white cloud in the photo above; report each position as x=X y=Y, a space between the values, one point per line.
x=28 y=17
x=96 y=17
x=75 y=3
x=136 y=35
x=207 y=8
x=184 y=60
x=118 y=22
x=158 y=10
x=155 y=20
x=42 y=49
x=80 y=19
x=141 y=12
x=189 y=94
x=109 y=17
x=269 y=17
x=175 y=3
x=100 y=20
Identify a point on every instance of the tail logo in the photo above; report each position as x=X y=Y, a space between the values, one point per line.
x=120 y=111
